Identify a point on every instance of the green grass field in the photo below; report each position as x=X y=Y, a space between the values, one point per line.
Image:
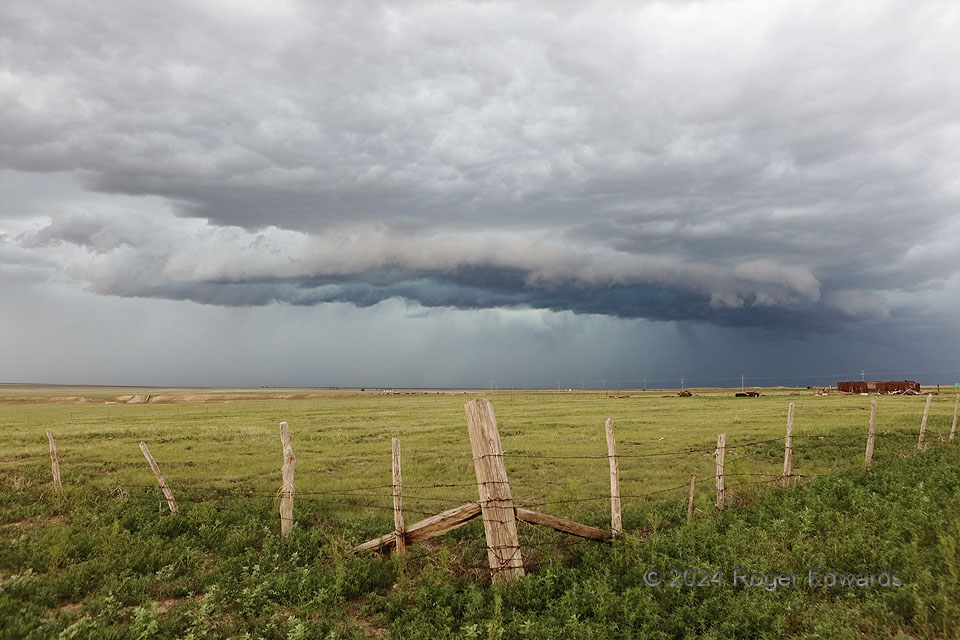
x=106 y=560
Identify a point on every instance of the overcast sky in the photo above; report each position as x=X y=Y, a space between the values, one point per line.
x=454 y=194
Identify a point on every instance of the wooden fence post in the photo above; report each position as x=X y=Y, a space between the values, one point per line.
x=160 y=481
x=923 y=423
x=616 y=520
x=721 y=450
x=496 y=500
x=788 y=448
x=286 y=486
x=693 y=483
x=953 y=428
x=55 y=463
x=398 y=527
x=872 y=434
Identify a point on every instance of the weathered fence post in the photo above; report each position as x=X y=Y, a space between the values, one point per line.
x=167 y=493
x=616 y=520
x=398 y=526
x=872 y=434
x=721 y=450
x=693 y=483
x=953 y=428
x=496 y=500
x=788 y=448
x=923 y=423
x=286 y=486
x=55 y=463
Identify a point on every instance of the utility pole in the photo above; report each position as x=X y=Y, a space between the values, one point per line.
x=682 y=382
x=741 y=382
x=862 y=378
x=644 y=384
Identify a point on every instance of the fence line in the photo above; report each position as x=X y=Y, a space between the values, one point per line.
x=497 y=510
x=356 y=491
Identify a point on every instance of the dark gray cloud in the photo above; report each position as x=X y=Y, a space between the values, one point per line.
x=56 y=333
x=772 y=164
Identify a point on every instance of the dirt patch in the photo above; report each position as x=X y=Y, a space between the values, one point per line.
x=163 y=606
x=46 y=399
x=14 y=523
x=369 y=629
x=67 y=608
x=139 y=398
x=27 y=522
x=225 y=397
x=166 y=604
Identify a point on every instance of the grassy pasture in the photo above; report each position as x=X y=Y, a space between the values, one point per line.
x=342 y=442
x=222 y=461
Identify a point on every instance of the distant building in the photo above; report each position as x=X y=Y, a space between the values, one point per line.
x=875 y=386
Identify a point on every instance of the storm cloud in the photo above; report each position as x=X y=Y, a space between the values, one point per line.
x=786 y=165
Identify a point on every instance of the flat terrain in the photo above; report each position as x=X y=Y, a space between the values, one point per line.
x=105 y=558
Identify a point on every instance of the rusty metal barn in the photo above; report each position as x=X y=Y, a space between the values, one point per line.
x=876 y=386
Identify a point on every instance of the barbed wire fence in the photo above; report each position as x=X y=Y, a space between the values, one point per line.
x=504 y=520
